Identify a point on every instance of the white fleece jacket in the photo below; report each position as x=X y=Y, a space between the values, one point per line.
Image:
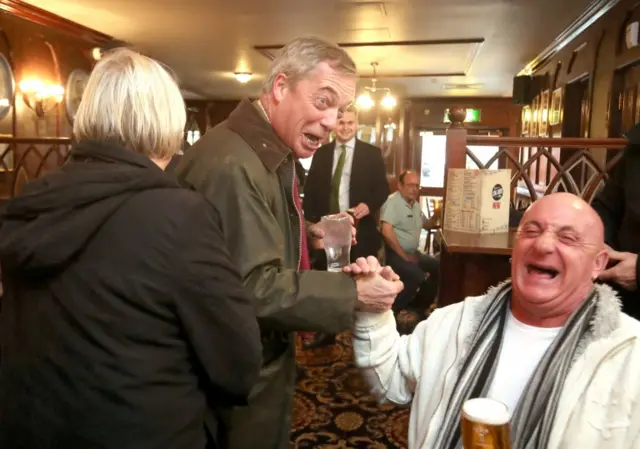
x=599 y=406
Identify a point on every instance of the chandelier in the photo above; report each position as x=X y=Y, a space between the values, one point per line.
x=366 y=101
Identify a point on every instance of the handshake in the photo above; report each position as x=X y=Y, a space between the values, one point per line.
x=377 y=286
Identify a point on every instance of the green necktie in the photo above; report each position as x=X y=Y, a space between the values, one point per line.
x=334 y=203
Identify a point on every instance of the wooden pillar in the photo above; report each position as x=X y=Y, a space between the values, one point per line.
x=397 y=149
x=202 y=119
x=404 y=138
x=379 y=129
x=456 y=146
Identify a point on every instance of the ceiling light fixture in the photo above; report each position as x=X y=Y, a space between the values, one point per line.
x=365 y=100
x=243 y=77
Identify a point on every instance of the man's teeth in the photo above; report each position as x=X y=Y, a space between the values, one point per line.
x=542 y=270
x=313 y=140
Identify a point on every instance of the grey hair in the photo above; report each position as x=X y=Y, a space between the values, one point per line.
x=135 y=101
x=300 y=58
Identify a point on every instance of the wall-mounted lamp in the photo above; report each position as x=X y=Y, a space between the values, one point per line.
x=96 y=53
x=40 y=97
x=243 y=77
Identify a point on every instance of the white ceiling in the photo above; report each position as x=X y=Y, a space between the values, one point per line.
x=205 y=41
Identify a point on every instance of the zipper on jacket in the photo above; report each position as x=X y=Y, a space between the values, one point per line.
x=298 y=213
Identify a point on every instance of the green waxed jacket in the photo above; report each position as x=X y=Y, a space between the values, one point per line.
x=247 y=173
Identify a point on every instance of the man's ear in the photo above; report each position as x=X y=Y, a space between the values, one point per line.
x=600 y=263
x=280 y=87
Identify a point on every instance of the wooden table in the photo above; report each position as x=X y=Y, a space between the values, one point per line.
x=471 y=263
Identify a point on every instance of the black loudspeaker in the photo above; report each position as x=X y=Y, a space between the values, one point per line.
x=522 y=90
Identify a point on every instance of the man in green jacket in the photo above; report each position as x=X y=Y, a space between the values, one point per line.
x=247 y=168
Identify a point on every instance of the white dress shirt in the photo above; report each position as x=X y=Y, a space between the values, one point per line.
x=343 y=193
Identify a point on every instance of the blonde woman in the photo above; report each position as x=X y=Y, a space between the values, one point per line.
x=123 y=321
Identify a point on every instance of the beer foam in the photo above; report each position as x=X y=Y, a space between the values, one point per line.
x=486 y=411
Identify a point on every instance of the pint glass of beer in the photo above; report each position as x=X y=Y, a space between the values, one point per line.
x=485 y=424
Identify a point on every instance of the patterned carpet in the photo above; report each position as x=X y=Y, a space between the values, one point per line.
x=333 y=408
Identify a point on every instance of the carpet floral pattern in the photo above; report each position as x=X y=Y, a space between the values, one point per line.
x=333 y=408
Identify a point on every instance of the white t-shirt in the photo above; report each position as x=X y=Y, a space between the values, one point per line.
x=523 y=347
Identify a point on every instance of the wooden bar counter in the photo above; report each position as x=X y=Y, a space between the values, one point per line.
x=471 y=263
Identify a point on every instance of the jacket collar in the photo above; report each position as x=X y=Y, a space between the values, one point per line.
x=250 y=124
x=110 y=151
x=605 y=321
x=351 y=143
x=607 y=314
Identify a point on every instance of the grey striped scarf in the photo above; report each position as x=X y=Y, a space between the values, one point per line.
x=532 y=420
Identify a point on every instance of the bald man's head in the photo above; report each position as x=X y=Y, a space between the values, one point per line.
x=409 y=185
x=572 y=209
x=559 y=250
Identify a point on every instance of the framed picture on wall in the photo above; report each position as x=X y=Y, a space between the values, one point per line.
x=76 y=84
x=535 y=116
x=544 y=112
x=555 y=111
x=7 y=86
x=526 y=120
x=637 y=117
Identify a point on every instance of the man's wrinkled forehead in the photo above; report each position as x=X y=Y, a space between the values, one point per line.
x=549 y=215
x=563 y=214
x=341 y=85
x=411 y=179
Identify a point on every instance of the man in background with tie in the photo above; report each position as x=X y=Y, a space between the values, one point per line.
x=347 y=175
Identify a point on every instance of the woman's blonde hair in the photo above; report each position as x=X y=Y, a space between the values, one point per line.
x=133 y=100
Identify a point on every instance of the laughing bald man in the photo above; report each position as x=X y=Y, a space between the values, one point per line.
x=549 y=343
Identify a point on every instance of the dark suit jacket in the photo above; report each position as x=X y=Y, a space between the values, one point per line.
x=368 y=185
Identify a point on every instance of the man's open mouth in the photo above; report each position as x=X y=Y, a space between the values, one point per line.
x=541 y=270
x=312 y=140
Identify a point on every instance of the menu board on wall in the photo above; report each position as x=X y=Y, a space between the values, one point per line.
x=477 y=201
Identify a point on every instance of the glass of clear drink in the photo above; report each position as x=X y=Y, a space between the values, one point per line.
x=336 y=240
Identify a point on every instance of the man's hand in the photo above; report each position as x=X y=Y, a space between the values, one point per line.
x=360 y=211
x=371 y=265
x=624 y=272
x=316 y=234
x=377 y=286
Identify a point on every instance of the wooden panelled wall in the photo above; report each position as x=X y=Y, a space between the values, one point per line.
x=497 y=115
x=38 y=45
x=208 y=113
x=599 y=58
x=43 y=46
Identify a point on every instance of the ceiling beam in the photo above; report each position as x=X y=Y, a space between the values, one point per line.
x=45 y=18
x=267 y=50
